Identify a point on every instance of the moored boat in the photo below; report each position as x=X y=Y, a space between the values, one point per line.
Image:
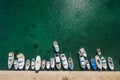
x=33 y=64
x=98 y=62
x=64 y=61
x=21 y=60
x=82 y=61
x=83 y=52
x=93 y=63
x=52 y=62
x=110 y=63
x=43 y=64
x=10 y=59
x=104 y=63
x=57 y=61
x=56 y=46
x=47 y=64
x=38 y=63
x=70 y=63
x=99 y=51
x=87 y=64
x=27 y=65
x=15 y=64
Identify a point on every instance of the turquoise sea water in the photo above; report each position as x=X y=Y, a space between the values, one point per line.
x=30 y=26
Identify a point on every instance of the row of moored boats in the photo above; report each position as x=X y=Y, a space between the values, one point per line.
x=98 y=62
x=59 y=61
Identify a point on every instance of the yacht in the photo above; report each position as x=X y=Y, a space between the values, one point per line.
x=38 y=63
x=47 y=64
x=98 y=62
x=52 y=62
x=10 y=59
x=15 y=64
x=64 y=61
x=21 y=60
x=56 y=46
x=82 y=61
x=33 y=63
x=104 y=63
x=110 y=63
x=27 y=65
x=43 y=64
x=57 y=61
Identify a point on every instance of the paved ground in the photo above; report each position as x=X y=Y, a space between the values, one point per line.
x=59 y=75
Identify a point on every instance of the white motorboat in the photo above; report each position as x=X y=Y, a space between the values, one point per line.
x=43 y=64
x=56 y=46
x=47 y=64
x=110 y=63
x=21 y=60
x=52 y=62
x=10 y=59
x=87 y=64
x=38 y=63
x=99 y=51
x=27 y=65
x=15 y=64
x=57 y=60
x=33 y=64
x=83 y=52
x=98 y=62
x=64 y=61
x=104 y=63
x=82 y=61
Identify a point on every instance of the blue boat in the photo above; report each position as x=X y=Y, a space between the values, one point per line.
x=93 y=63
x=70 y=63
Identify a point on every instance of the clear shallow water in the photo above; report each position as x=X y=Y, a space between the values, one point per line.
x=31 y=27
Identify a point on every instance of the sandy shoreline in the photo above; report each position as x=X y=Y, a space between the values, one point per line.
x=59 y=75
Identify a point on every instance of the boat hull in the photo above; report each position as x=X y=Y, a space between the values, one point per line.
x=33 y=64
x=110 y=63
x=21 y=61
x=70 y=64
x=52 y=63
x=47 y=64
x=57 y=61
x=56 y=46
x=27 y=64
x=64 y=61
x=15 y=64
x=93 y=64
x=82 y=61
x=104 y=63
x=98 y=62
x=10 y=59
x=38 y=63
x=43 y=64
